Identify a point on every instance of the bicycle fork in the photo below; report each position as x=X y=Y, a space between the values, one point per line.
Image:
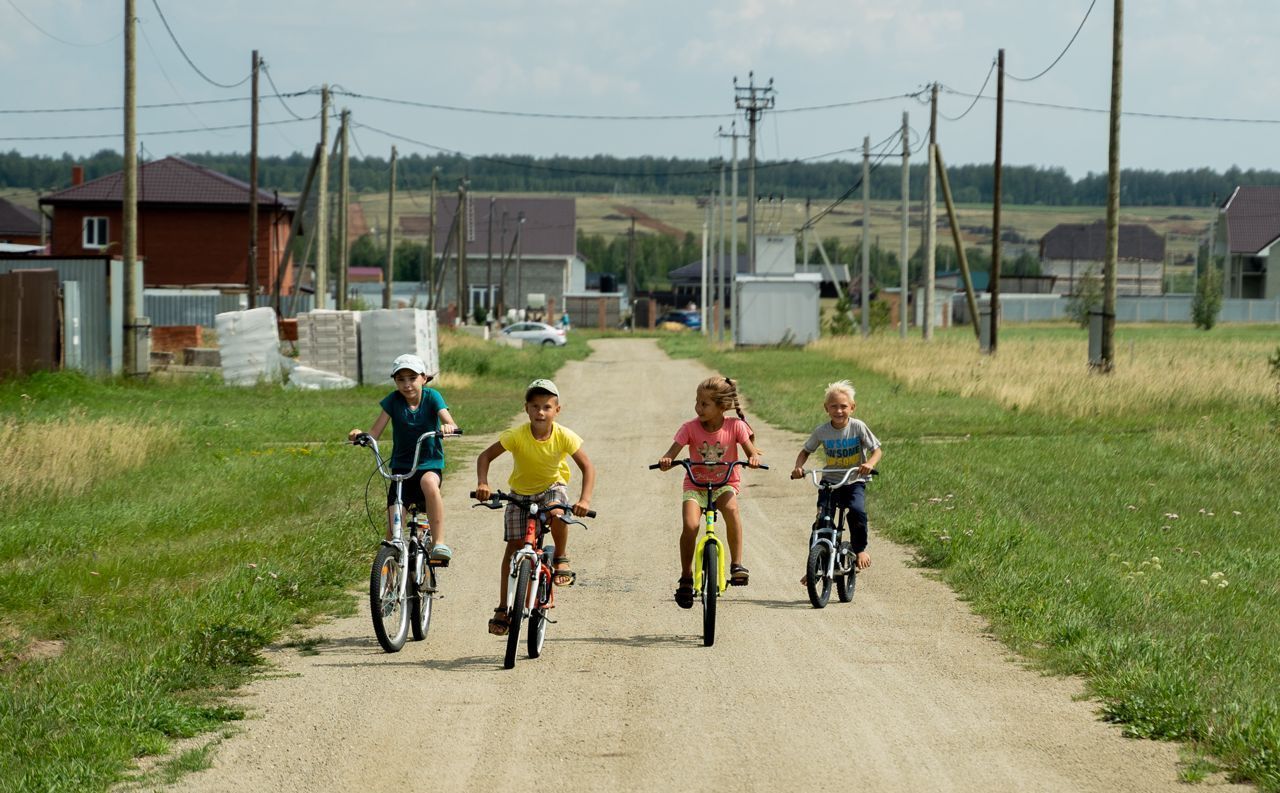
x=709 y=536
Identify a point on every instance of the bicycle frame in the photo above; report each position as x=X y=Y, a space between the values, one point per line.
x=828 y=532
x=536 y=529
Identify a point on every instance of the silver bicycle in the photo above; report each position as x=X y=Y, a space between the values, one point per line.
x=402 y=581
x=831 y=557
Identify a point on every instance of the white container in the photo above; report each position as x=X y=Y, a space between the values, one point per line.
x=249 y=343
x=330 y=341
x=388 y=333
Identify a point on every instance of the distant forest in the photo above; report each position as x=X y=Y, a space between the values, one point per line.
x=1023 y=184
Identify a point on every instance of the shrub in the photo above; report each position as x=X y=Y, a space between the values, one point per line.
x=1207 y=302
x=1087 y=299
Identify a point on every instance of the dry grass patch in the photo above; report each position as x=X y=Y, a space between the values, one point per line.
x=68 y=457
x=1051 y=375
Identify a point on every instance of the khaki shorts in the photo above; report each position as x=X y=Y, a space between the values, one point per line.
x=700 y=496
x=517 y=515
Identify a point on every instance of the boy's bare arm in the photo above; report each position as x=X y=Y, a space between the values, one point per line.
x=798 y=471
x=588 y=482
x=872 y=461
x=379 y=424
x=447 y=424
x=482 y=469
x=664 y=462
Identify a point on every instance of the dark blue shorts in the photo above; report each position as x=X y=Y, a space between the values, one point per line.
x=412 y=493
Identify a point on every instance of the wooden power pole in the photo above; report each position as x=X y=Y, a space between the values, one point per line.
x=389 y=267
x=129 y=195
x=322 y=206
x=1113 y=194
x=904 y=248
x=252 y=280
x=344 y=219
x=864 y=286
x=996 y=200
x=930 y=216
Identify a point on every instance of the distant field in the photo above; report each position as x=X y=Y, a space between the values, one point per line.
x=609 y=215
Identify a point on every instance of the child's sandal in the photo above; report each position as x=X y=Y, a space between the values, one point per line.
x=563 y=576
x=684 y=592
x=500 y=622
x=739 y=575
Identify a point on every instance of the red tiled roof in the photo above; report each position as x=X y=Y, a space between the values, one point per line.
x=172 y=180
x=1088 y=242
x=549 y=228
x=18 y=220
x=1253 y=218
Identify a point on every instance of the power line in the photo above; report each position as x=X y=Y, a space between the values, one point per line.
x=1134 y=113
x=1064 y=50
x=881 y=155
x=151 y=134
x=33 y=24
x=262 y=65
x=190 y=62
x=151 y=106
x=975 y=99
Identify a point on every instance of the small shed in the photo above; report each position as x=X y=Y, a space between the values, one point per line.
x=777 y=309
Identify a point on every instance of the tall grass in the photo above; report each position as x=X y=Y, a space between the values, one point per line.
x=189 y=525
x=1120 y=527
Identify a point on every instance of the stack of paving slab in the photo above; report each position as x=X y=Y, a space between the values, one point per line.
x=388 y=333
x=329 y=341
x=249 y=343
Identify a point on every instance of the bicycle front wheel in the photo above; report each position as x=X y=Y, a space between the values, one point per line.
x=817 y=580
x=846 y=583
x=390 y=617
x=710 y=591
x=517 y=615
x=420 y=602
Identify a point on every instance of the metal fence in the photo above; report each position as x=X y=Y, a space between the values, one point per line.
x=168 y=307
x=1168 y=308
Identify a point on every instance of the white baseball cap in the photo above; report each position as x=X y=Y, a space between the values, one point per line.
x=543 y=384
x=411 y=362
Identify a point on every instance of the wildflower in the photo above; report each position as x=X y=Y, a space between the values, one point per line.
x=1216 y=575
x=1171 y=515
x=1222 y=583
x=251 y=566
x=1203 y=581
x=1130 y=506
x=93 y=572
x=1235 y=512
x=273 y=575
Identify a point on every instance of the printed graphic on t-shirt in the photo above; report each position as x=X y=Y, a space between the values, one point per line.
x=711 y=452
x=843 y=452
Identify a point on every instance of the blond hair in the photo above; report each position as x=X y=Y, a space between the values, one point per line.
x=724 y=392
x=839 y=387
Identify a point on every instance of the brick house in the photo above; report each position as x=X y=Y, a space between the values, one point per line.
x=1071 y=252
x=193 y=224
x=549 y=263
x=18 y=225
x=1245 y=238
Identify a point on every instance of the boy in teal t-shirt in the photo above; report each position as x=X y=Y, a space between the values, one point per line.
x=413 y=409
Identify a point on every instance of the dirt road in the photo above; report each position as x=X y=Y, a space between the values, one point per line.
x=898 y=691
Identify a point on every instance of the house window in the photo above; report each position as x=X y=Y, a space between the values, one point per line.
x=95 y=232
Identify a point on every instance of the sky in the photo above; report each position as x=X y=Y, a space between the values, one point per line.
x=870 y=59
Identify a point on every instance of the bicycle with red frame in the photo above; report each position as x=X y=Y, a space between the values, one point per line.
x=529 y=590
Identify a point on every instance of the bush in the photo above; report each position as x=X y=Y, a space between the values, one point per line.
x=1207 y=303
x=1087 y=299
x=840 y=323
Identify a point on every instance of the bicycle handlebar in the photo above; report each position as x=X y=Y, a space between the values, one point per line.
x=496 y=497
x=728 y=466
x=370 y=442
x=813 y=474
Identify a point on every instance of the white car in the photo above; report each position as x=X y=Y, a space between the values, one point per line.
x=535 y=333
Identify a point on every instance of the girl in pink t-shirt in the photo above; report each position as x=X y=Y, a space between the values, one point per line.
x=712 y=437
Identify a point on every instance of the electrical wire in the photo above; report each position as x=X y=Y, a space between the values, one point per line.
x=263 y=66
x=151 y=106
x=1133 y=113
x=151 y=134
x=165 y=74
x=976 y=97
x=33 y=24
x=1064 y=50
x=882 y=154
x=190 y=62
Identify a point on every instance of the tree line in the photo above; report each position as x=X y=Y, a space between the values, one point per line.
x=1023 y=184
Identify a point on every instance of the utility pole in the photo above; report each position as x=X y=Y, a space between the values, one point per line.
x=721 y=262
x=1107 y=362
x=865 y=283
x=252 y=280
x=129 y=194
x=389 y=268
x=344 y=230
x=930 y=216
x=488 y=260
x=294 y=229
x=631 y=266
x=997 y=200
x=955 y=235
x=755 y=99
x=904 y=249
x=704 y=325
x=431 y=240
x=322 y=207
x=804 y=231
x=729 y=272
x=520 y=295
x=462 y=250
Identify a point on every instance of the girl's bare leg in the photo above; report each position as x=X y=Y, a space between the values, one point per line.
x=728 y=505
x=690 y=515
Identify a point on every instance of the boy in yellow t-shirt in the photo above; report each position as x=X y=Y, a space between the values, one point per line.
x=540 y=473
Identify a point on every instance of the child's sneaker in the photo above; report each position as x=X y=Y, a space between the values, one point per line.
x=441 y=553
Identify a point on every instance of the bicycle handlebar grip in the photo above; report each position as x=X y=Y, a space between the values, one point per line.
x=591 y=513
x=763 y=467
x=655 y=465
x=472 y=494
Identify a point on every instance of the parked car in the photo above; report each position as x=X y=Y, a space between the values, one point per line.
x=689 y=319
x=536 y=333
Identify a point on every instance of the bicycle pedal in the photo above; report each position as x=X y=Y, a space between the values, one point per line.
x=438 y=562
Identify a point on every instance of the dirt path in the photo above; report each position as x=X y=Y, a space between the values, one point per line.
x=899 y=690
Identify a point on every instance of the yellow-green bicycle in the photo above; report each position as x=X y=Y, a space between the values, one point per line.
x=709 y=553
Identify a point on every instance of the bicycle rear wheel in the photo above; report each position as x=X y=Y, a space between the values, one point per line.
x=817 y=580
x=420 y=598
x=517 y=615
x=538 y=615
x=390 y=617
x=710 y=591
x=845 y=583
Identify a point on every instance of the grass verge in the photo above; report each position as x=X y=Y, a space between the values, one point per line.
x=1131 y=543
x=138 y=583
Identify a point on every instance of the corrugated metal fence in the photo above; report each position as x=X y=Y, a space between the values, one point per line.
x=1169 y=308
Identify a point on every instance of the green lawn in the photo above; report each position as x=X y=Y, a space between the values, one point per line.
x=1138 y=552
x=134 y=593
